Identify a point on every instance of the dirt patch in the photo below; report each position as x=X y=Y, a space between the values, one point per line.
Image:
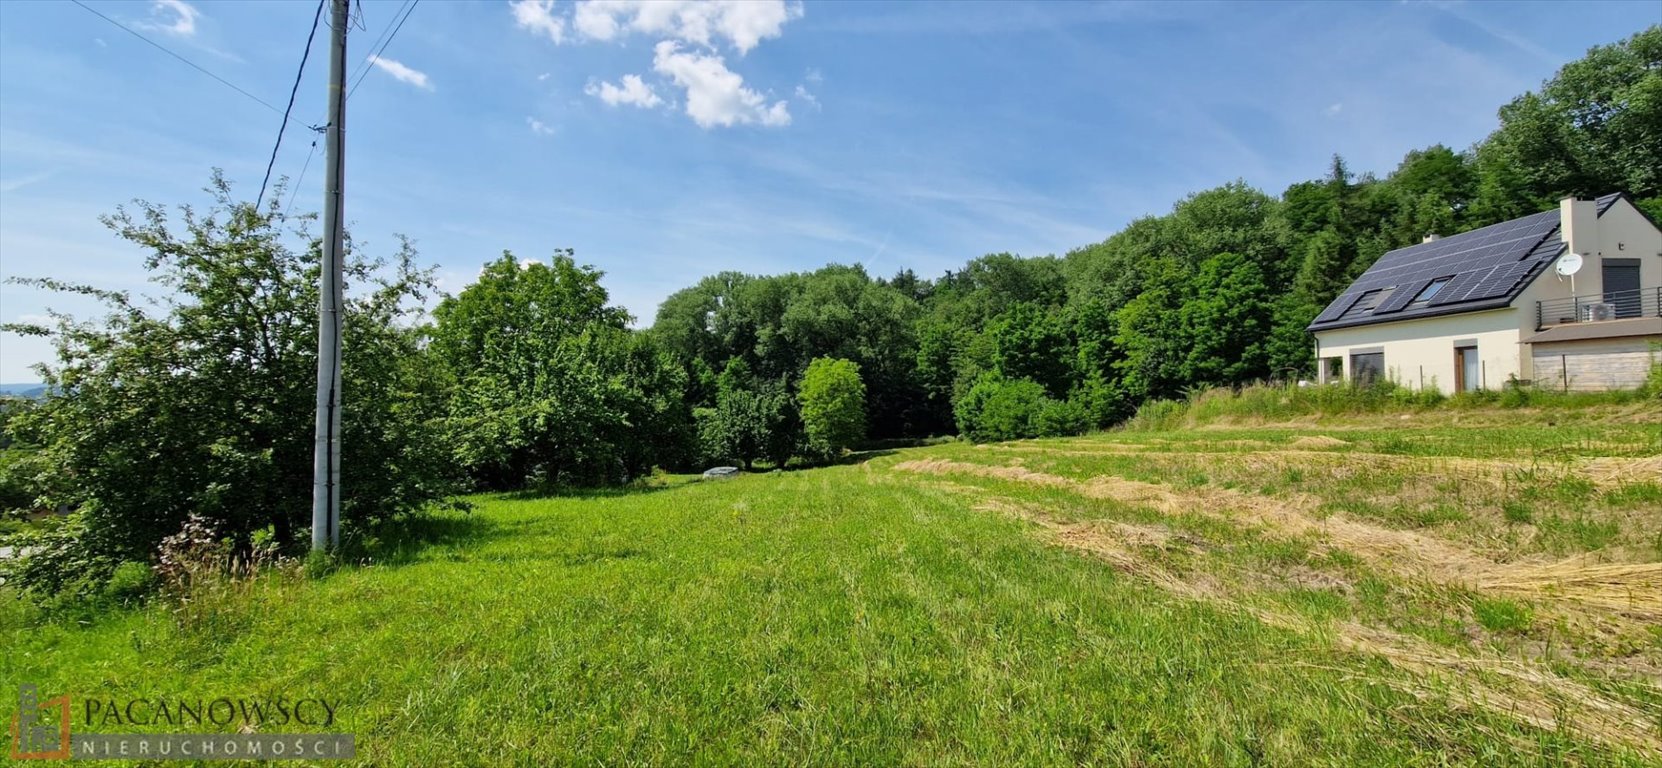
x=1252 y=445
x=1075 y=448
x=1611 y=471
x=1017 y=474
x=1318 y=442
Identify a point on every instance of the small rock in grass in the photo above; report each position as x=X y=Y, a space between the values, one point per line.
x=720 y=473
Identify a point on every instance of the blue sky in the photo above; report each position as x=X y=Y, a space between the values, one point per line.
x=672 y=141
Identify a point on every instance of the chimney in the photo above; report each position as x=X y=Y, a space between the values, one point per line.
x=1578 y=222
x=1432 y=238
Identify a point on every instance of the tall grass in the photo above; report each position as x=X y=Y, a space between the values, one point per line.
x=1275 y=402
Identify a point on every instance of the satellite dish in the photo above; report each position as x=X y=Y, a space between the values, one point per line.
x=1569 y=264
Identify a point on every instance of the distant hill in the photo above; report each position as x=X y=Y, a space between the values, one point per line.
x=22 y=390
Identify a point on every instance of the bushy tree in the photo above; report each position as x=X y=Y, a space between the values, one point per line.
x=550 y=385
x=752 y=420
x=1030 y=342
x=833 y=406
x=203 y=404
x=1594 y=128
x=1225 y=322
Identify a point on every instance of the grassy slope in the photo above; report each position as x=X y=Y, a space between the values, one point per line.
x=854 y=614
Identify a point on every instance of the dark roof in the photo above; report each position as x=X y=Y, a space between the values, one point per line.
x=1484 y=269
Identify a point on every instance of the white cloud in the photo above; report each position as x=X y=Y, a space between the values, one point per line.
x=814 y=75
x=14 y=184
x=542 y=77
x=526 y=263
x=742 y=23
x=690 y=33
x=803 y=94
x=632 y=91
x=715 y=94
x=539 y=127
x=538 y=16
x=175 y=17
x=401 y=72
x=1334 y=109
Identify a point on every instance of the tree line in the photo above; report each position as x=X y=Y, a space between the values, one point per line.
x=200 y=407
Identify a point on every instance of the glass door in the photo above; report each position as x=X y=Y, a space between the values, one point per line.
x=1468 y=369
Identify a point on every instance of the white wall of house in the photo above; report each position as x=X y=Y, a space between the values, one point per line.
x=1421 y=353
x=1622 y=233
x=1625 y=233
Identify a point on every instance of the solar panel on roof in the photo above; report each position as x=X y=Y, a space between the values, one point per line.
x=1501 y=281
x=1487 y=264
x=1457 y=288
x=1400 y=298
x=1337 y=308
x=1364 y=304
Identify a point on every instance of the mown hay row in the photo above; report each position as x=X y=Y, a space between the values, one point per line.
x=1632 y=590
x=1523 y=691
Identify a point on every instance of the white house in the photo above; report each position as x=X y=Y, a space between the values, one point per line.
x=1481 y=308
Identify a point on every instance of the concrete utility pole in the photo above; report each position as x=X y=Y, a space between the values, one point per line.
x=326 y=451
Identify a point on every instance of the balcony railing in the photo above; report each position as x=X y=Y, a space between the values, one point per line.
x=1596 y=307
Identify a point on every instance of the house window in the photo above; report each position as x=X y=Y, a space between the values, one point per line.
x=1365 y=304
x=1621 y=286
x=1367 y=367
x=1429 y=292
x=1332 y=369
x=1468 y=369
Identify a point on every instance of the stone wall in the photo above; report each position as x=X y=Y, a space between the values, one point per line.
x=1595 y=365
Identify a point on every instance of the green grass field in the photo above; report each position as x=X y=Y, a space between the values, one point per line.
x=1369 y=591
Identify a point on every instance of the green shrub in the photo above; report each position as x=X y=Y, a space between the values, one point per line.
x=21 y=470
x=60 y=564
x=1061 y=418
x=319 y=563
x=130 y=583
x=996 y=408
x=1653 y=382
x=1105 y=402
x=1427 y=397
x=1158 y=415
x=1012 y=412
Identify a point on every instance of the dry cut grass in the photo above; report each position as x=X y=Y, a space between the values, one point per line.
x=1580 y=588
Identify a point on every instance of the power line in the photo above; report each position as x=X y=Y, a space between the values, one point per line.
x=357 y=71
x=362 y=65
x=290 y=108
x=295 y=190
x=163 y=49
x=377 y=54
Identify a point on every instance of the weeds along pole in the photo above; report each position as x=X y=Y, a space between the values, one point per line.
x=326 y=449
